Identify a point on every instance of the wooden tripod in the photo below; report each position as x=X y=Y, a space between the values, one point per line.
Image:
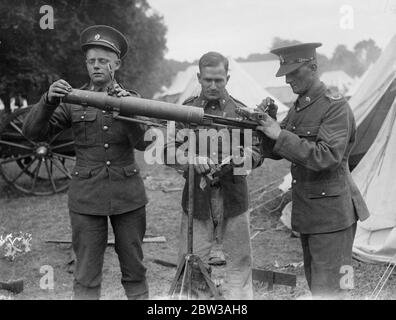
x=190 y=260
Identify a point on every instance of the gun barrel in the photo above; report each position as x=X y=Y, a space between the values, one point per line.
x=241 y=123
x=133 y=106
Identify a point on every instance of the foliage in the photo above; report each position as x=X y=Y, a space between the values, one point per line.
x=15 y=245
x=31 y=58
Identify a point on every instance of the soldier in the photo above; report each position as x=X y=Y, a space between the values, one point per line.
x=106 y=183
x=317 y=136
x=221 y=217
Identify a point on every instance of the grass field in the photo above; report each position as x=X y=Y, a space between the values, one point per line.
x=46 y=218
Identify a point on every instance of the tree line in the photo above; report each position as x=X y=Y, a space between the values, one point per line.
x=32 y=58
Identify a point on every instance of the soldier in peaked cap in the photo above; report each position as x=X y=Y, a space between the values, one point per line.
x=317 y=136
x=106 y=183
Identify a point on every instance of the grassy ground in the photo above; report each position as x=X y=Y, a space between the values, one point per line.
x=46 y=218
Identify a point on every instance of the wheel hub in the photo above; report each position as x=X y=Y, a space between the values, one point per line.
x=42 y=150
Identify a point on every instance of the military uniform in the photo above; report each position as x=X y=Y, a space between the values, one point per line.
x=105 y=184
x=317 y=137
x=230 y=196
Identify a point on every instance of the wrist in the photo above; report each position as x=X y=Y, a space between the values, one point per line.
x=49 y=102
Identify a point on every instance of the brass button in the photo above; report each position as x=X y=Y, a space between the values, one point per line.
x=76 y=173
x=105 y=128
x=294 y=181
x=308 y=132
x=298 y=109
x=106 y=145
x=323 y=193
x=103 y=111
x=108 y=163
x=82 y=117
x=293 y=128
x=213 y=107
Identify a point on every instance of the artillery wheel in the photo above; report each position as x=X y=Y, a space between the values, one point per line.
x=35 y=168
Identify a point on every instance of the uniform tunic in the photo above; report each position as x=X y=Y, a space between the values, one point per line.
x=106 y=179
x=234 y=187
x=317 y=137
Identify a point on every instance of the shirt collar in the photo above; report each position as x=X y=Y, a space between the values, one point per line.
x=310 y=96
x=90 y=87
x=203 y=102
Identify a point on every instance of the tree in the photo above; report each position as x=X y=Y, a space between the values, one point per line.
x=344 y=59
x=367 y=52
x=279 y=42
x=31 y=58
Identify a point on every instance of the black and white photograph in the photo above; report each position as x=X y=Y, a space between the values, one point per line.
x=218 y=153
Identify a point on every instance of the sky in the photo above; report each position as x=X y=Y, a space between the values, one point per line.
x=238 y=28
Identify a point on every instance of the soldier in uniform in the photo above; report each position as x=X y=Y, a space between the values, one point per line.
x=221 y=217
x=106 y=183
x=317 y=136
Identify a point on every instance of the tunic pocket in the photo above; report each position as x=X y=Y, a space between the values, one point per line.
x=326 y=190
x=81 y=172
x=307 y=132
x=84 y=126
x=131 y=170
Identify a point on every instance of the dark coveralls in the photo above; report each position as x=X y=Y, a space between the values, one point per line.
x=317 y=137
x=105 y=183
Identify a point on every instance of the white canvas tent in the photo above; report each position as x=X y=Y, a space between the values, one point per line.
x=178 y=85
x=264 y=74
x=357 y=83
x=374 y=106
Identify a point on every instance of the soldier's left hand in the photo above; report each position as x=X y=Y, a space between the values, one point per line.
x=121 y=92
x=269 y=127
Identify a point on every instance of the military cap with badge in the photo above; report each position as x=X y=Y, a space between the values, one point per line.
x=104 y=36
x=293 y=57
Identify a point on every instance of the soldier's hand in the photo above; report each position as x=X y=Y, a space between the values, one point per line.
x=269 y=127
x=203 y=165
x=119 y=92
x=268 y=106
x=58 y=90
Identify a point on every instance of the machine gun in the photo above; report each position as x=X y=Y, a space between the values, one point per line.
x=126 y=108
x=129 y=108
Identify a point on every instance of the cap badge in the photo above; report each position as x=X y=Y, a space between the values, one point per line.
x=97 y=36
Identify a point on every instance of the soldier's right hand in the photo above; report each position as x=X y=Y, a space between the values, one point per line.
x=268 y=106
x=203 y=165
x=58 y=90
